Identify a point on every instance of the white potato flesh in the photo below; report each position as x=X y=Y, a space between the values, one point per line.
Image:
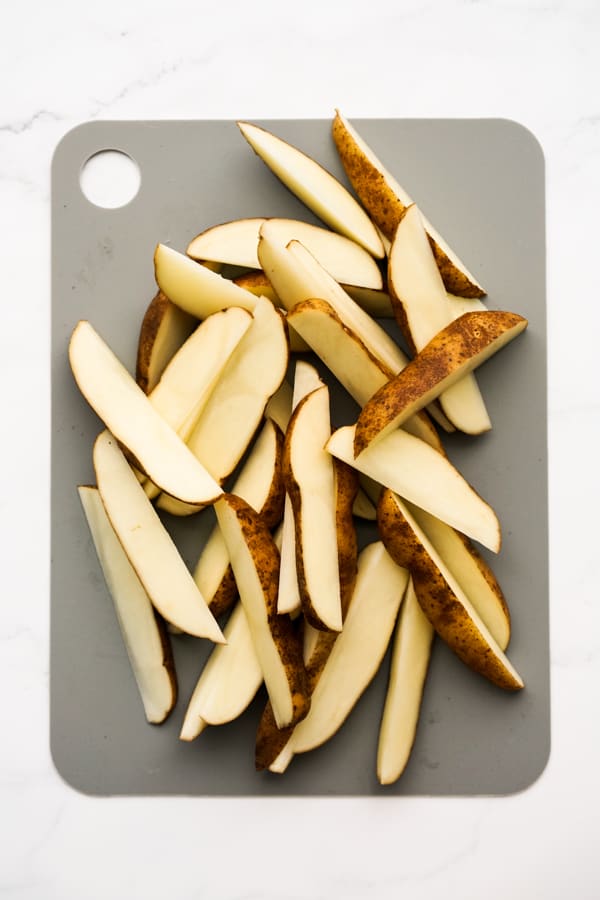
x=195 y=288
x=358 y=650
x=128 y=414
x=253 y=600
x=414 y=470
x=148 y=545
x=408 y=671
x=315 y=186
x=416 y=281
x=135 y=613
x=228 y=682
x=192 y=373
x=315 y=514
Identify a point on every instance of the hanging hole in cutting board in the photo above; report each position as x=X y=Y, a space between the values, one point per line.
x=110 y=178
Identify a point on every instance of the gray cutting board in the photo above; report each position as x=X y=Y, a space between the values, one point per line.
x=482 y=184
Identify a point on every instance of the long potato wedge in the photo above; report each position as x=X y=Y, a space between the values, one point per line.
x=441 y=598
x=228 y=682
x=260 y=483
x=410 y=661
x=128 y=414
x=415 y=471
x=315 y=186
x=456 y=350
x=144 y=633
x=385 y=201
x=356 y=654
x=255 y=563
x=148 y=546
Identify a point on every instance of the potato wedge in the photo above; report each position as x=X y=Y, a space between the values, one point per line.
x=164 y=329
x=270 y=740
x=470 y=571
x=194 y=287
x=236 y=243
x=306 y=379
x=309 y=480
x=144 y=633
x=228 y=682
x=260 y=483
x=357 y=652
x=315 y=186
x=385 y=201
x=422 y=309
x=414 y=470
x=255 y=562
x=441 y=597
x=456 y=350
x=148 y=546
x=128 y=414
x=410 y=661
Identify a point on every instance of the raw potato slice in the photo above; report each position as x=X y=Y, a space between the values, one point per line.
x=309 y=479
x=470 y=570
x=255 y=562
x=147 y=544
x=347 y=357
x=236 y=243
x=270 y=740
x=195 y=288
x=317 y=188
x=357 y=652
x=235 y=407
x=192 y=373
x=144 y=635
x=459 y=348
x=229 y=680
x=414 y=470
x=164 y=329
x=441 y=597
x=422 y=309
x=260 y=483
x=306 y=379
x=410 y=660
x=385 y=201
x=128 y=414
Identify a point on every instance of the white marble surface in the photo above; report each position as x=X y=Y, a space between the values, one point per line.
x=67 y=62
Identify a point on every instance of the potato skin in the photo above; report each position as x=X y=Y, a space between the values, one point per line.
x=450 y=349
x=160 y=307
x=271 y=740
x=439 y=603
x=285 y=637
x=386 y=209
x=271 y=512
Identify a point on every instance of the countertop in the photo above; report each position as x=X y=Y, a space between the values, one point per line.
x=534 y=62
